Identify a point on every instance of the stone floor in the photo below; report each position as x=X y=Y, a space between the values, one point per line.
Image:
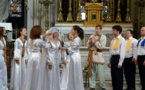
x=109 y=86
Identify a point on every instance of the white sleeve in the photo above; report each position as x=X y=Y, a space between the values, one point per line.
x=16 y=54
x=101 y=44
x=59 y=56
x=135 y=49
x=109 y=59
x=122 y=52
x=64 y=52
x=44 y=44
x=48 y=57
x=74 y=46
x=29 y=50
x=26 y=51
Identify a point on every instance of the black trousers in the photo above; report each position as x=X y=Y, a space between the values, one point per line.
x=140 y=61
x=116 y=73
x=129 y=72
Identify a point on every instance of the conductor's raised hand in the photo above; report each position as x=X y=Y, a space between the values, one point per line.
x=48 y=33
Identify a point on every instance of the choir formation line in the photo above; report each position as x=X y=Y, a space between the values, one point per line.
x=36 y=64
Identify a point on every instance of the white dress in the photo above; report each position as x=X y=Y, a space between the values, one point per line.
x=18 y=70
x=75 y=81
x=52 y=77
x=33 y=76
x=3 y=68
x=65 y=72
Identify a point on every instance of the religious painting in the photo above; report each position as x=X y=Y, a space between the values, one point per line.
x=15 y=8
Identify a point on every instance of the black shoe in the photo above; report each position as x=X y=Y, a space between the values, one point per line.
x=126 y=89
x=103 y=89
x=131 y=89
x=92 y=88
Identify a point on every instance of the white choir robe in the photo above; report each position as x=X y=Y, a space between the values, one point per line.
x=3 y=68
x=75 y=81
x=52 y=76
x=65 y=72
x=18 y=70
x=34 y=77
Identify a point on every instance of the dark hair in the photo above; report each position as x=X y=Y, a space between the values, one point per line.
x=19 y=32
x=130 y=31
x=35 y=32
x=1 y=31
x=80 y=31
x=99 y=26
x=117 y=28
x=142 y=27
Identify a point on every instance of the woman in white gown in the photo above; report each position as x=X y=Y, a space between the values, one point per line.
x=52 y=81
x=65 y=72
x=75 y=81
x=20 y=61
x=33 y=76
x=3 y=69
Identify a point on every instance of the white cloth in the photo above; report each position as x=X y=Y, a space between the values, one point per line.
x=3 y=68
x=133 y=49
x=140 y=49
x=33 y=76
x=18 y=70
x=119 y=51
x=65 y=72
x=75 y=81
x=53 y=29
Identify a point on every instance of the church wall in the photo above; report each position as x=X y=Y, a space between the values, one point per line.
x=36 y=14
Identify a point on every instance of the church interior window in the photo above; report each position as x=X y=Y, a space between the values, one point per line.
x=15 y=8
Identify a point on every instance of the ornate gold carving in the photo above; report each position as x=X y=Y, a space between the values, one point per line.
x=60 y=15
x=26 y=5
x=33 y=10
x=118 y=17
x=46 y=18
x=94 y=1
x=79 y=16
x=108 y=18
x=75 y=9
x=128 y=19
x=94 y=14
x=140 y=4
x=46 y=4
x=111 y=9
x=69 y=16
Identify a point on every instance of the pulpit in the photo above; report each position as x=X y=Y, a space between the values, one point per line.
x=94 y=14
